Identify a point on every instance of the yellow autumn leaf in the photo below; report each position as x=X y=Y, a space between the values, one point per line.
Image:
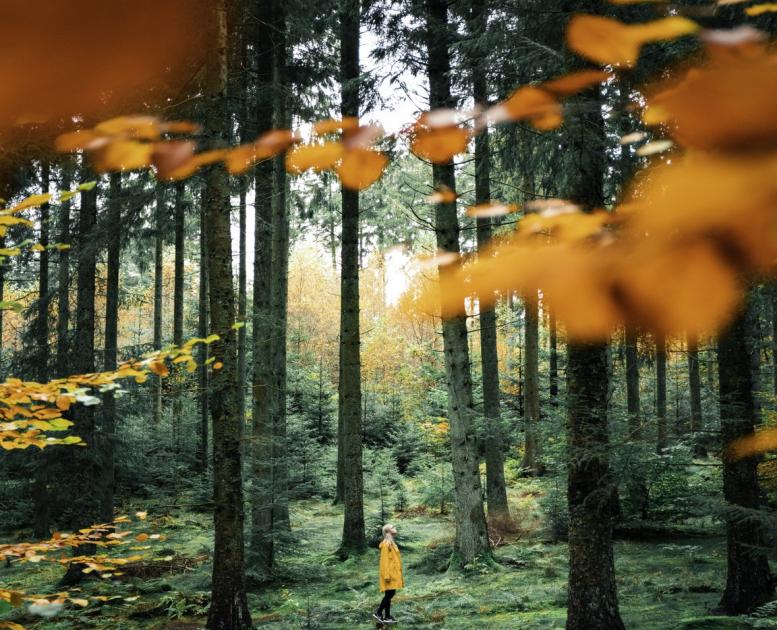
x=439 y=144
x=761 y=9
x=360 y=168
x=319 y=157
x=122 y=155
x=611 y=42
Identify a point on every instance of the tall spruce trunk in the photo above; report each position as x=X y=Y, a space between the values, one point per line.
x=694 y=382
x=63 y=279
x=662 y=440
x=262 y=547
x=83 y=467
x=593 y=599
x=632 y=383
x=242 y=299
x=553 y=359
x=203 y=323
x=349 y=388
x=471 y=532
x=531 y=387
x=178 y=298
x=748 y=578
x=110 y=354
x=228 y=607
x=41 y=475
x=496 y=491
x=159 y=221
x=279 y=279
x=774 y=339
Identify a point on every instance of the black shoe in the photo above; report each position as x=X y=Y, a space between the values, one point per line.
x=389 y=619
x=378 y=618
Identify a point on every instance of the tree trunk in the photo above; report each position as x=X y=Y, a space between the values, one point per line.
x=748 y=578
x=553 y=359
x=159 y=220
x=471 y=532
x=110 y=357
x=82 y=466
x=262 y=548
x=661 y=434
x=242 y=300
x=41 y=477
x=593 y=599
x=774 y=339
x=632 y=384
x=229 y=605
x=63 y=280
x=531 y=390
x=694 y=379
x=178 y=298
x=496 y=491
x=203 y=323
x=349 y=388
x=279 y=278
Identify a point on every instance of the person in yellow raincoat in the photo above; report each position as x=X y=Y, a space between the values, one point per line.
x=390 y=573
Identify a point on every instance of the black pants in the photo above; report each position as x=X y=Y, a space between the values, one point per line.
x=385 y=605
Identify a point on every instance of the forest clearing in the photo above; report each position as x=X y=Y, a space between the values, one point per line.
x=366 y=313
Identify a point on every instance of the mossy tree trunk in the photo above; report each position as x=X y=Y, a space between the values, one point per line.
x=496 y=492
x=748 y=578
x=471 y=532
x=228 y=607
x=262 y=539
x=349 y=388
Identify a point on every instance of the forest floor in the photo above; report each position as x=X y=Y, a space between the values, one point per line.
x=667 y=584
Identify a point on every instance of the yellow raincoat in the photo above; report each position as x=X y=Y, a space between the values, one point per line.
x=390 y=567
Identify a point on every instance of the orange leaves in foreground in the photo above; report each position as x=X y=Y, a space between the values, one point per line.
x=30 y=411
x=610 y=42
x=677 y=254
x=134 y=142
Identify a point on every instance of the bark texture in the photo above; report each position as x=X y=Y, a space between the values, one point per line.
x=349 y=388
x=471 y=533
x=748 y=578
x=229 y=607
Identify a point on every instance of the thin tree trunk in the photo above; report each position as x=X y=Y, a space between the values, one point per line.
x=203 y=323
x=41 y=478
x=159 y=221
x=63 y=280
x=496 y=491
x=694 y=379
x=110 y=357
x=774 y=339
x=279 y=279
x=748 y=578
x=349 y=389
x=661 y=429
x=228 y=606
x=471 y=532
x=553 y=359
x=178 y=298
x=531 y=391
x=262 y=539
x=632 y=384
x=242 y=301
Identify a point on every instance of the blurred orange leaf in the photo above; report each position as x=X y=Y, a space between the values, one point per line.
x=318 y=157
x=360 y=168
x=439 y=144
x=610 y=42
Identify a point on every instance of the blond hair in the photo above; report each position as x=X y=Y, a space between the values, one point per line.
x=388 y=536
